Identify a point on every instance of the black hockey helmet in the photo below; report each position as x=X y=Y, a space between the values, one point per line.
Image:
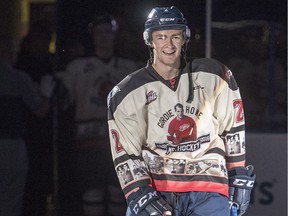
x=103 y=18
x=161 y=18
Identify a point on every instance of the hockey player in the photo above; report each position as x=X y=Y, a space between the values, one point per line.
x=140 y=109
x=89 y=80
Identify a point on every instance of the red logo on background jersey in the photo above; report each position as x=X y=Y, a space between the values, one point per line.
x=115 y=136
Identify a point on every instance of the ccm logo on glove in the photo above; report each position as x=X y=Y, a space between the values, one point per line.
x=242 y=182
x=141 y=202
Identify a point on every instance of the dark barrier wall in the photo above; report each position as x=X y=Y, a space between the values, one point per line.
x=268 y=154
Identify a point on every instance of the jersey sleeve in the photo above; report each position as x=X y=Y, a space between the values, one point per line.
x=229 y=113
x=127 y=137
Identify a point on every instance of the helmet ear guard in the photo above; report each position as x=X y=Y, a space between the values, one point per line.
x=147 y=37
x=187 y=34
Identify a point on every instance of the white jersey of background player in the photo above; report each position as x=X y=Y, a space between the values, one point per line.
x=89 y=79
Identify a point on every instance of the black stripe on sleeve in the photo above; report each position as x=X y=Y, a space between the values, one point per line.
x=235 y=158
x=189 y=178
x=233 y=130
x=216 y=150
x=125 y=158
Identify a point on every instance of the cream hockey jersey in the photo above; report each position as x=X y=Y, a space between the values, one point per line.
x=89 y=81
x=141 y=108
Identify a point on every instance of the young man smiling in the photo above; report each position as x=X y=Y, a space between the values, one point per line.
x=167 y=46
x=139 y=102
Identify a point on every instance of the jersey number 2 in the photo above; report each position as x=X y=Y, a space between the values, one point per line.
x=118 y=146
x=238 y=105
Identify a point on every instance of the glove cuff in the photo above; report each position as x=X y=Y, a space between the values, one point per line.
x=242 y=177
x=147 y=201
x=138 y=193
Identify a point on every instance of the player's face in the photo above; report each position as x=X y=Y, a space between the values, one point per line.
x=167 y=46
x=103 y=36
x=179 y=112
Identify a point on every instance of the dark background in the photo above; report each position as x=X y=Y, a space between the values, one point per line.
x=73 y=15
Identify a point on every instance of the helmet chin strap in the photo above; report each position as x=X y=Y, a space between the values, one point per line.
x=184 y=50
x=151 y=53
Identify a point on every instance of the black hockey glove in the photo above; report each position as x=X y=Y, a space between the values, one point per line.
x=241 y=182
x=147 y=201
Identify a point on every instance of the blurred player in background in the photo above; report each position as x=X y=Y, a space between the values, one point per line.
x=89 y=80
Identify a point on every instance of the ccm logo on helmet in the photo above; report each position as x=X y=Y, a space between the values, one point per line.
x=242 y=182
x=167 y=19
x=141 y=202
